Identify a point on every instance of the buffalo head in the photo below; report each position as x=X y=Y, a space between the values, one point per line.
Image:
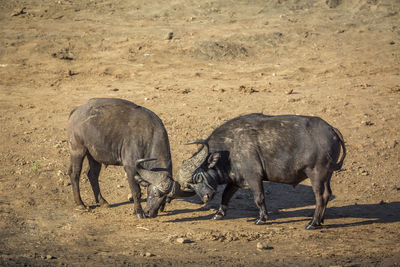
x=161 y=188
x=198 y=172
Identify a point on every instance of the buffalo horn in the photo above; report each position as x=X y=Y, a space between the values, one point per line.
x=152 y=177
x=176 y=191
x=191 y=165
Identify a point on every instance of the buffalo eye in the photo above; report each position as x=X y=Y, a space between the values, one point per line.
x=198 y=178
x=154 y=192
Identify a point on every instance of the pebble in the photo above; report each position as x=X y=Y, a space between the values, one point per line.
x=149 y=254
x=263 y=246
x=130 y=197
x=395 y=143
x=333 y=3
x=19 y=11
x=182 y=240
x=367 y=123
x=289 y=92
x=48 y=257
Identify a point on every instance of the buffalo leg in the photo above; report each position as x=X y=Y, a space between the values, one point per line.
x=136 y=193
x=229 y=191
x=316 y=220
x=259 y=198
x=93 y=175
x=327 y=194
x=319 y=181
x=77 y=156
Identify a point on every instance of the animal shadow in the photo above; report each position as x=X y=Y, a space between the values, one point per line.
x=280 y=197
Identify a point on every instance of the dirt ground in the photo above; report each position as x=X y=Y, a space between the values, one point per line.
x=197 y=64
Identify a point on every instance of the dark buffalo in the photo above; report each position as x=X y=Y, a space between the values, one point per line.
x=117 y=132
x=247 y=150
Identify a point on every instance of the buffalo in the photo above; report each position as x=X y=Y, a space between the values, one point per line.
x=247 y=150
x=112 y=131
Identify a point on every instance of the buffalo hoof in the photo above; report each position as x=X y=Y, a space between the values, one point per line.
x=313 y=227
x=82 y=208
x=260 y=222
x=140 y=215
x=218 y=217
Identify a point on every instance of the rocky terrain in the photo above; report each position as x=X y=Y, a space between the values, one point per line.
x=197 y=64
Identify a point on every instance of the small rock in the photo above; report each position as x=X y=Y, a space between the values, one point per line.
x=382 y=202
x=130 y=197
x=260 y=245
x=120 y=186
x=170 y=36
x=18 y=12
x=289 y=92
x=247 y=90
x=49 y=257
x=367 y=123
x=263 y=246
x=64 y=54
x=149 y=254
x=146 y=98
x=395 y=143
x=72 y=73
x=182 y=240
x=333 y=3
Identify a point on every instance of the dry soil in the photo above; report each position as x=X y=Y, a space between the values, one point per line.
x=197 y=64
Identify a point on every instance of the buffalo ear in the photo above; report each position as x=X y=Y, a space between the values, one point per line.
x=140 y=181
x=213 y=159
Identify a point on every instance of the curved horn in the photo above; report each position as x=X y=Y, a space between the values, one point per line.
x=176 y=191
x=191 y=165
x=152 y=177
